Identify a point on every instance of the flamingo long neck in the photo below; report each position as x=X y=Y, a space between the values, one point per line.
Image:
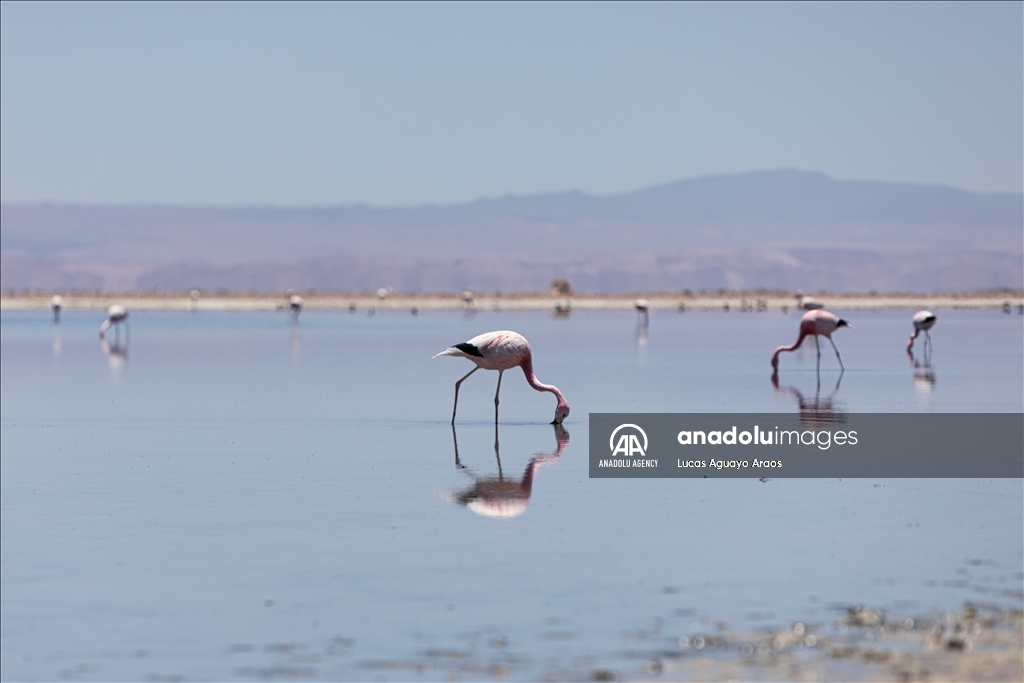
x=804 y=331
x=531 y=379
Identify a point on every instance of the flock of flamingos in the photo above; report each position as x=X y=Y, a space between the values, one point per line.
x=503 y=349
x=506 y=496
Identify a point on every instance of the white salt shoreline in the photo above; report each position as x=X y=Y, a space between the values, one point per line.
x=536 y=301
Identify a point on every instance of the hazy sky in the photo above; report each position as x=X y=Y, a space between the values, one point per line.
x=292 y=104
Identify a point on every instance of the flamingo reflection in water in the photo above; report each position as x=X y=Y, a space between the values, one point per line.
x=924 y=373
x=117 y=354
x=817 y=412
x=500 y=496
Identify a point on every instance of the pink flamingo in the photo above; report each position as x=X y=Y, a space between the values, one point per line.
x=923 y=321
x=806 y=303
x=818 y=323
x=501 y=351
x=116 y=314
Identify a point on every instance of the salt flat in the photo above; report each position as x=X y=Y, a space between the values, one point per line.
x=222 y=495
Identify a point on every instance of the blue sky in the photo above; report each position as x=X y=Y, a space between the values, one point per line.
x=292 y=104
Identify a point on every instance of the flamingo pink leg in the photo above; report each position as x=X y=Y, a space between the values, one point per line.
x=836 y=349
x=457 y=385
x=496 y=392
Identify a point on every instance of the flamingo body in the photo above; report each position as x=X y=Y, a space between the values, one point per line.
x=923 y=322
x=503 y=350
x=56 y=304
x=816 y=323
x=115 y=314
x=806 y=303
x=295 y=306
x=642 y=309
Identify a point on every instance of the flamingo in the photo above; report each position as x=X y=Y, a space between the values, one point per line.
x=116 y=315
x=923 y=321
x=642 y=308
x=56 y=303
x=295 y=304
x=806 y=303
x=501 y=351
x=818 y=323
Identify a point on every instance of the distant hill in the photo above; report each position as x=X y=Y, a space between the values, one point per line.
x=776 y=229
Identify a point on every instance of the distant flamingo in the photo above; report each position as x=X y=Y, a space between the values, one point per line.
x=817 y=323
x=56 y=303
x=806 y=303
x=923 y=321
x=295 y=305
x=642 y=309
x=116 y=315
x=502 y=351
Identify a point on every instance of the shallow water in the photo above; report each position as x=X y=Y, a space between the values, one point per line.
x=238 y=498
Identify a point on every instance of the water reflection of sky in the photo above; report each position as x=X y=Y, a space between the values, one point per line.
x=226 y=482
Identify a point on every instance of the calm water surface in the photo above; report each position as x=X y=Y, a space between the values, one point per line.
x=233 y=497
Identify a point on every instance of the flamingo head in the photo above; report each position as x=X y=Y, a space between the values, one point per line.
x=561 y=411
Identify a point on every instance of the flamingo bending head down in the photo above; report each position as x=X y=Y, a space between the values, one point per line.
x=501 y=351
x=115 y=314
x=820 y=324
x=923 y=322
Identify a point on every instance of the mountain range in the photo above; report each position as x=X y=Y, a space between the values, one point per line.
x=780 y=229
